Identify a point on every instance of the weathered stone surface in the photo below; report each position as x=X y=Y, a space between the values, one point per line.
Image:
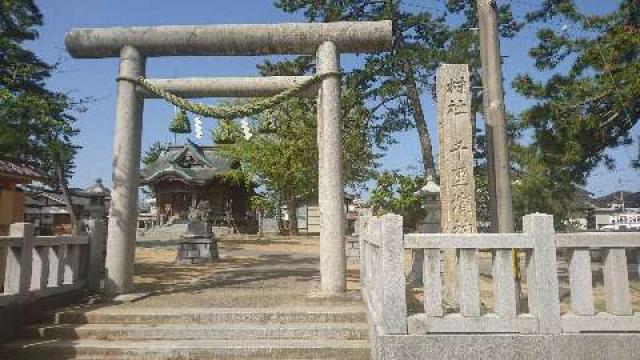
x=352 y=249
x=394 y=306
x=332 y=252
x=580 y=280
x=127 y=138
x=336 y=331
x=198 y=229
x=235 y=87
x=230 y=39
x=542 y=272
x=19 y=260
x=432 y=283
x=468 y=282
x=507 y=347
x=603 y=322
x=190 y=349
x=270 y=226
x=457 y=324
x=196 y=250
x=97 y=241
x=616 y=282
x=457 y=188
x=504 y=283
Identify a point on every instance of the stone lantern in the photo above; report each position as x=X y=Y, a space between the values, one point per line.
x=431 y=192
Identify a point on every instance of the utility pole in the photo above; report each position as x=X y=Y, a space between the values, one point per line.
x=495 y=122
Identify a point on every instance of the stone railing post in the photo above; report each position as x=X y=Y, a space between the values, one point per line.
x=97 y=240
x=394 y=306
x=18 y=273
x=542 y=273
x=361 y=222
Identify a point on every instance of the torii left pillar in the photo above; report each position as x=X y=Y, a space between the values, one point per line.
x=121 y=240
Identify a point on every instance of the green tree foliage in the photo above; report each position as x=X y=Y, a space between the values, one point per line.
x=180 y=123
x=589 y=104
x=285 y=162
x=226 y=132
x=393 y=81
x=36 y=124
x=592 y=100
x=397 y=193
x=154 y=152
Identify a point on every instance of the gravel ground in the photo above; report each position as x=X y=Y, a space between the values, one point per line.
x=251 y=273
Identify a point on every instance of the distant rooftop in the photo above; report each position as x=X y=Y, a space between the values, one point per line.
x=21 y=170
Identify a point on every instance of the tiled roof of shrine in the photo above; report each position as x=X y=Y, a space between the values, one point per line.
x=193 y=164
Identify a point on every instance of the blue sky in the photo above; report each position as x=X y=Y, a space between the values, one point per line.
x=96 y=78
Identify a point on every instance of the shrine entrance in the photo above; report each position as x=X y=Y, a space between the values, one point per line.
x=134 y=45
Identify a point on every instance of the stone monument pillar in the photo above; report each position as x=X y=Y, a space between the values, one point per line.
x=457 y=187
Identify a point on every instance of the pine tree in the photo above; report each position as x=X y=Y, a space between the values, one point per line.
x=592 y=100
x=36 y=124
x=589 y=104
x=394 y=81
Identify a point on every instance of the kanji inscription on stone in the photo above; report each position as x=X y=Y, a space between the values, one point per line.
x=457 y=187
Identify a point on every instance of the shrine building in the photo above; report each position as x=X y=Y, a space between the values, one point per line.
x=186 y=175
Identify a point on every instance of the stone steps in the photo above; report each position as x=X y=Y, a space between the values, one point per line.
x=187 y=349
x=317 y=331
x=124 y=332
x=321 y=314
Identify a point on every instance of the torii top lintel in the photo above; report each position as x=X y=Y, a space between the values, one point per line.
x=247 y=39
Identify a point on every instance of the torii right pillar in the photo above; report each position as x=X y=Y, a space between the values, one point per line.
x=333 y=262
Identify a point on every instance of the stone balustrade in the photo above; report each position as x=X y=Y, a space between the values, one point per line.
x=34 y=267
x=383 y=281
x=382 y=272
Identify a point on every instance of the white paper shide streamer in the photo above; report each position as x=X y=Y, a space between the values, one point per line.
x=246 y=129
x=197 y=125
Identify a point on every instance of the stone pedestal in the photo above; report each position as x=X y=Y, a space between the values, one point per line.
x=198 y=245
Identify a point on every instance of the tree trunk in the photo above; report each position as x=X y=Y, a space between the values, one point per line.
x=62 y=181
x=418 y=116
x=413 y=95
x=417 y=261
x=292 y=205
x=293 y=216
x=279 y=214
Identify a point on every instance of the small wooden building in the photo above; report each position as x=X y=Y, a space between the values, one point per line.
x=13 y=173
x=47 y=209
x=184 y=176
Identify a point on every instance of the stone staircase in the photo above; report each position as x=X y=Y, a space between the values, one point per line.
x=121 y=332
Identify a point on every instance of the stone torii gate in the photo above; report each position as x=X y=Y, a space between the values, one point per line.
x=133 y=45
